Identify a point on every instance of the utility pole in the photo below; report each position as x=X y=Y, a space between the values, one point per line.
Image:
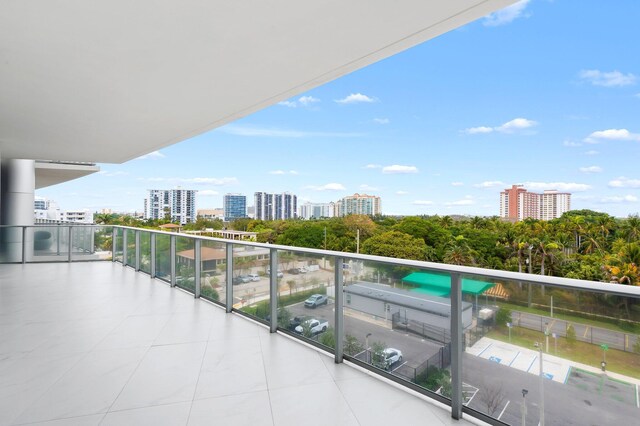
x=539 y=346
x=358 y=241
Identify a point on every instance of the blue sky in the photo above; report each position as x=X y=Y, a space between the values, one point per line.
x=545 y=93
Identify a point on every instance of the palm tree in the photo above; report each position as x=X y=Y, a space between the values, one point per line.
x=631 y=228
x=459 y=252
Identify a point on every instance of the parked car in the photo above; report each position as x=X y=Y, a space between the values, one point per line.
x=296 y=321
x=254 y=277
x=314 y=326
x=316 y=300
x=303 y=269
x=293 y=271
x=313 y=268
x=240 y=279
x=279 y=274
x=387 y=358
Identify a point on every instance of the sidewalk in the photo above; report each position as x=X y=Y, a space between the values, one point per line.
x=524 y=359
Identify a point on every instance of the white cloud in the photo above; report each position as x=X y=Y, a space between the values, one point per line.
x=491 y=184
x=328 y=187
x=507 y=15
x=308 y=100
x=381 y=120
x=591 y=152
x=356 y=98
x=560 y=186
x=398 y=169
x=113 y=174
x=623 y=182
x=571 y=144
x=457 y=184
x=620 y=199
x=608 y=79
x=464 y=202
x=372 y=166
x=207 y=193
x=513 y=126
x=401 y=192
x=422 y=203
x=366 y=187
x=151 y=155
x=282 y=172
x=612 y=135
x=301 y=101
x=591 y=169
x=281 y=133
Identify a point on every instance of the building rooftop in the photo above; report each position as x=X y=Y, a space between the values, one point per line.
x=95 y=343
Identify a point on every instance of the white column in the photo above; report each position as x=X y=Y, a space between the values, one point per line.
x=17 y=197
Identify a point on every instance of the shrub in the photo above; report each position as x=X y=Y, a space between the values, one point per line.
x=571 y=335
x=503 y=317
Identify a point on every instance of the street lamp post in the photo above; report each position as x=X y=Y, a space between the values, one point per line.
x=524 y=406
x=539 y=346
x=366 y=343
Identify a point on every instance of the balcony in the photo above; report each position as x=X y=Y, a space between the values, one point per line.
x=188 y=334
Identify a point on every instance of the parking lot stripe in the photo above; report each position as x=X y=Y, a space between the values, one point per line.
x=532 y=361
x=482 y=351
x=566 y=378
x=586 y=331
x=514 y=358
x=399 y=366
x=637 y=397
x=503 y=410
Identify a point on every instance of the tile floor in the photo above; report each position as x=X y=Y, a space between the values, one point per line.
x=98 y=344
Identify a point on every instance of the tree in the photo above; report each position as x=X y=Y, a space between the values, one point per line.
x=503 y=316
x=352 y=345
x=492 y=396
x=395 y=244
x=328 y=338
x=292 y=285
x=571 y=335
x=377 y=354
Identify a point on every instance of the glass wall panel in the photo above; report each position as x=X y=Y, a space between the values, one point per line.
x=185 y=263
x=102 y=241
x=213 y=267
x=163 y=257
x=396 y=321
x=535 y=350
x=118 y=244
x=250 y=280
x=50 y=243
x=145 y=251
x=11 y=241
x=131 y=247
x=306 y=296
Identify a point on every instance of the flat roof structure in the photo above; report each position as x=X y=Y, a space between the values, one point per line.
x=440 y=284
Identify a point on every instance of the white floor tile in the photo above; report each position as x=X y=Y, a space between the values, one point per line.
x=246 y=409
x=159 y=415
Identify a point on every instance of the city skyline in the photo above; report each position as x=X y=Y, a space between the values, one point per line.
x=530 y=96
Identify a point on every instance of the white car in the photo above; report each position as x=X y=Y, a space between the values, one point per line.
x=388 y=358
x=254 y=277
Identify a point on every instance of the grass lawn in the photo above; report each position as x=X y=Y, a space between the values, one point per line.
x=570 y=318
x=627 y=363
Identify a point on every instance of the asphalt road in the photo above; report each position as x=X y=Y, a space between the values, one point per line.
x=564 y=404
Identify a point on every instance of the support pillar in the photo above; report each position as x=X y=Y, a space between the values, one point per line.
x=17 y=185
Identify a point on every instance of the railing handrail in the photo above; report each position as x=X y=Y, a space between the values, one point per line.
x=521 y=277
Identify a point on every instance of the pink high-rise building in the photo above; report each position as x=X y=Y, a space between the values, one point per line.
x=516 y=203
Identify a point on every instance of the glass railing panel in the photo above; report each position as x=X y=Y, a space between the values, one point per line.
x=83 y=243
x=586 y=342
x=102 y=240
x=131 y=247
x=306 y=291
x=250 y=280
x=185 y=263
x=213 y=271
x=145 y=251
x=163 y=257
x=395 y=323
x=50 y=243
x=118 y=245
x=11 y=239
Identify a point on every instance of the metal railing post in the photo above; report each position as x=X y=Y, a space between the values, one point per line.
x=24 y=244
x=197 y=259
x=114 y=242
x=273 y=289
x=70 y=244
x=152 y=254
x=172 y=253
x=456 y=346
x=339 y=318
x=229 y=277
x=137 y=240
x=124 y=246
x=58 y=240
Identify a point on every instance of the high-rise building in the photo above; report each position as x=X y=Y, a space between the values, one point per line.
x=317 y=210
x=179 y=205
x=516 y=203
x=235 y=206
x=275 y=206
x=359 y=204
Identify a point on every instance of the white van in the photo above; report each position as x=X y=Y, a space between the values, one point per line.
x=254 y=277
